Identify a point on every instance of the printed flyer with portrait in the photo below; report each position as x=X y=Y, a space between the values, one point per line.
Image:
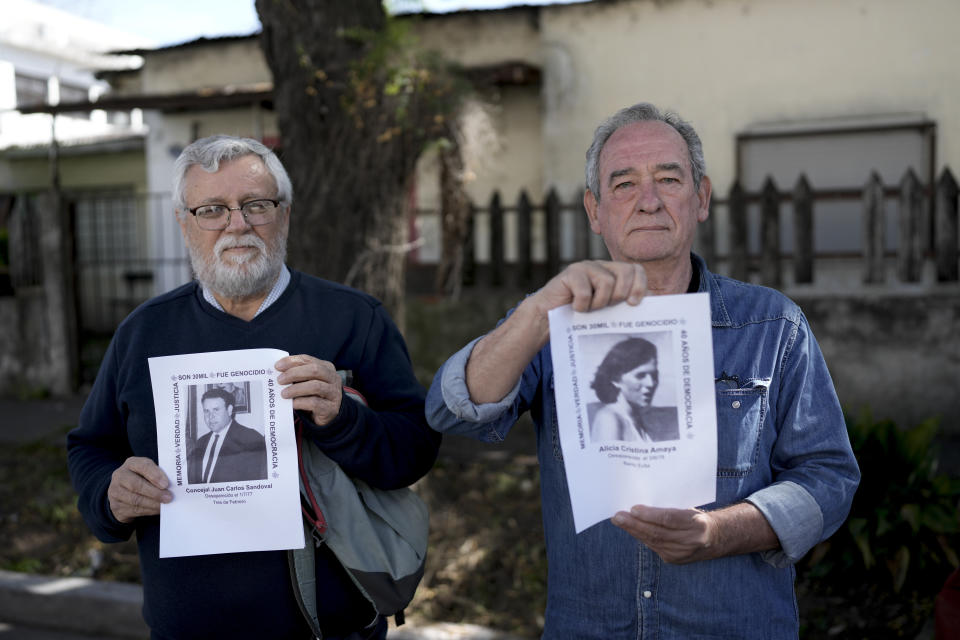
x=226 y=441
x=636 y=408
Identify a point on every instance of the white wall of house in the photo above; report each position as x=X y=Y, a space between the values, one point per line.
x=482 y=38
x=218 y=63
x=166 y=138
x=730 y=65
x=513 y=160
x=506 y=158
x=61 y=51
x=94 y=171
x=23 y=130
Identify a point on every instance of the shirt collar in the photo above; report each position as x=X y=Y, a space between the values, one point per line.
x=710 y=284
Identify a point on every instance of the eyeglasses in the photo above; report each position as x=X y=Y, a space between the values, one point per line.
x=214 y=217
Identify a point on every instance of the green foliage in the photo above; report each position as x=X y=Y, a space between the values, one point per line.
x=398 y=86
x=25 y=565
x=438 y=327
x=904 y=523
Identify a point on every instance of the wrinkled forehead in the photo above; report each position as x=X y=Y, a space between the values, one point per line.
x=242 y=172
x=646 y=142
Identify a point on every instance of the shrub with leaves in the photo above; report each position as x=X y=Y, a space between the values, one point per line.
x=904 y=523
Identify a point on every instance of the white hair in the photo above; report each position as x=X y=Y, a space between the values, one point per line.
x=642 y=112
x=211 y=151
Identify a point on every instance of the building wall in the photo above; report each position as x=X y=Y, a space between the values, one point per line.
x=59 y=49
x=894 y=355
x=510 y=159
x=214 y=64
x=730 y=64
x=102 y=171
x=25 y=363
x=482 y=38
x=730 y=67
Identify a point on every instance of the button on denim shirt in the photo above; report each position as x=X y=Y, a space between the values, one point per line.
x=782 y=446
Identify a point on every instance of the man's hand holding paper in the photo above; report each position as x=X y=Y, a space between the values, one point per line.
x=680 y=536
x=500 y=357
x=313 y=384
x=138 y=488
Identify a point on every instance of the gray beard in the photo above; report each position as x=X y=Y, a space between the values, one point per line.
x=240 y=279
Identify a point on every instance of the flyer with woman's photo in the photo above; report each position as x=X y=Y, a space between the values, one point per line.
x=635 y=405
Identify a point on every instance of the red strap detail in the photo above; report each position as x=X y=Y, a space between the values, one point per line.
x=355 y=395
x=316 y=518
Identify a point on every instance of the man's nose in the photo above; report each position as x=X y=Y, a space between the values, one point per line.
x=648 y=197
x=236 y=220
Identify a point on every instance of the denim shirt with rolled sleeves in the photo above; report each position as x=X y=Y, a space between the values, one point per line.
x=782 y=446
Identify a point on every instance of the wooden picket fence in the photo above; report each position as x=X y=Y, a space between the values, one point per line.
x=927 y=222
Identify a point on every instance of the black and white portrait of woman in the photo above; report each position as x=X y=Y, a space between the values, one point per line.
x=625 y=384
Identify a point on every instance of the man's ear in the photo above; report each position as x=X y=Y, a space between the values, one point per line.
x=592 y=206
x=703 y=195
x=182 y=219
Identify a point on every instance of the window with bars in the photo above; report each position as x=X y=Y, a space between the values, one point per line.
x=835 y=156
x=75 y=93
x=31 y=90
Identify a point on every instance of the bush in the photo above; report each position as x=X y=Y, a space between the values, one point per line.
x=904 y=522
x=899 y=543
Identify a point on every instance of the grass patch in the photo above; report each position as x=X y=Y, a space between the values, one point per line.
x=41 y=530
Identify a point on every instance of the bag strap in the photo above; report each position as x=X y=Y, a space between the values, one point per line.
x=315 y=515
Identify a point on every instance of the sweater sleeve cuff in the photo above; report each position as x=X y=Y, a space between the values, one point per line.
x=795 y=517
x=335 y=429
x=114 y=531
x=456 y=396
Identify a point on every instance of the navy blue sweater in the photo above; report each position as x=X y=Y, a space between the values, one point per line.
x=388 y=444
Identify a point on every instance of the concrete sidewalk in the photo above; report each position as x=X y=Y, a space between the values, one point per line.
x=102 y=609
x=98 y=608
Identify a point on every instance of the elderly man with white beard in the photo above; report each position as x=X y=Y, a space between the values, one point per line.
x=233 y=204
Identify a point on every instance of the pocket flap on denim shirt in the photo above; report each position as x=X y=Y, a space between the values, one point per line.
x=741 y=409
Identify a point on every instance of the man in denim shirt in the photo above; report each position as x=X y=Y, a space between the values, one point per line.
x=785 y=475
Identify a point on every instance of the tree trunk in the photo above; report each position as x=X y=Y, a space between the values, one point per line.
x=350 y=139
x=455 y=217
